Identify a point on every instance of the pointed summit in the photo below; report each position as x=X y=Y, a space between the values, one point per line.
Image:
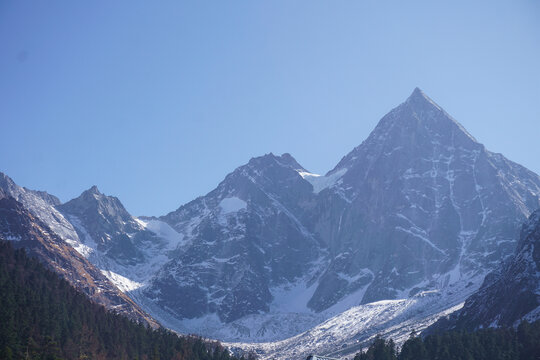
x=286 y=160
x=429 y=111
x=7 y=183
x=90 y=195
x=93 y=199
x=94 y=190
x=417 y=92
x=416 y=126
x=104 y=217
x=10 y=188
x=419 y=99
x=419 y=114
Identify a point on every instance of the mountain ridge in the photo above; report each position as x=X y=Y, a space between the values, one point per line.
x=419 y=207
x=509 y=294
x=456 y=173
x=44 y=231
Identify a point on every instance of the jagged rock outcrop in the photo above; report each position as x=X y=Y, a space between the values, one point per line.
x=508 y=295
x=104 y=222
x=27 y=231
x=420 y=204
x=420 y=207
x=34 y=224
x=249 y=234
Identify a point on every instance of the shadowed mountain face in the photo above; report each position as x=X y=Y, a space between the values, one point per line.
x=509 y=294
x=27 y=231
x=105 y=213
x=105 y=222
x=422 y=204
x=419 y=206
x=249 y=234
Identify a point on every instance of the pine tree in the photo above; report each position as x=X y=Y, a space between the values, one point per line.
x=43 y=317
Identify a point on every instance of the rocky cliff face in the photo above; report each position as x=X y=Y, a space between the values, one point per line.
x=34 y=224
x=104 y=224
x=511 y=293
x=420 y=207
x=128 y=250
x=27 y=231
x=249 y=234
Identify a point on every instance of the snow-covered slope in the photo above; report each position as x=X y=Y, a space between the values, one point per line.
x=27 y=229
x=129 y=251
x=508 y=295
x=419 y=208
x=243 y=239
x=348 y=332
x=39 y=204
x=421 y=204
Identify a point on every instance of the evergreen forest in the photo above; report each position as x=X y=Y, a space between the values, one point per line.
x=522 y=343
x=43 y=317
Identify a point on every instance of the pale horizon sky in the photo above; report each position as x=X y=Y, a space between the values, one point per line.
x=157 y=104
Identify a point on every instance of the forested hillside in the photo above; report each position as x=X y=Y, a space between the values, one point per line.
x=43 y=317
x=488 y=344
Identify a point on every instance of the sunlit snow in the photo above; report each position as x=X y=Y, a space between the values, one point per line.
x=319 y=182
x=231 y=205
x=121 y=282
x=164 y=231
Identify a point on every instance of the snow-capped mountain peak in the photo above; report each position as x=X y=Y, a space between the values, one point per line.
x=411 y=210
x=104 y=225
x=93 y=190
x=7 y=183
x=419 y=99
x=93 y=203
x=285 y=160
x=419 y=207
x=417 y=126
x=31 y=217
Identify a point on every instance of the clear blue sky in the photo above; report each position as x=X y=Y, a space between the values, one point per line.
x=155 y=102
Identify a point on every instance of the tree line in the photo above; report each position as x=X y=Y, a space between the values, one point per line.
x=522 y=343
x=43 y=317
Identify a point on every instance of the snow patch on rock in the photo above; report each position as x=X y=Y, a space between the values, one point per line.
x=231 y=205
x=121 y=282
x=347 y=333
x=319 y=182
x=292 y=297
x=163 y=231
